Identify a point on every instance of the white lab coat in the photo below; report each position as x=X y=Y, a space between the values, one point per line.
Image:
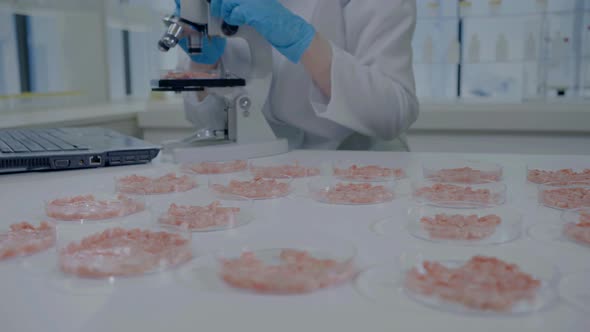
x=373 y=90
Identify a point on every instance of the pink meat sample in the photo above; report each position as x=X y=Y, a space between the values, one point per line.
x=465 y=175
x=189 y=75
x=258 y=188
x=298 y=272
x=200 y=217
x=483 y=283
x=562 y=175
x=579 y=232
x=143 y=185
x=356 y=193
x=454 y=193
x=460 y=227
x=25 y=239
x=122 y=252
x=294 y=170
x=88 y=207
x=566 y=198
x=210 y=168
x=368 y=173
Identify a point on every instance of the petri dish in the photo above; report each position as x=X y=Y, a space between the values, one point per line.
x=188 y=75
x=87 y=208
x=24 y=239
x=462 y=171
x=470 y=227
x=388 y=285
x=553 y=171
x=91 y=258
x=206 y=215
x=455 y=195
x=215 y=167
x=331 y=190
x=281 y=267
x=238 y=187
x=292 y=169
x=363 y=171
x=574 y=289
x=564 y=196
x=155 y=182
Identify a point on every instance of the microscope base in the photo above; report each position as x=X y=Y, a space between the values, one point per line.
x=231 y=151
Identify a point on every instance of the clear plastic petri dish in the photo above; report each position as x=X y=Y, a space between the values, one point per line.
x=289 y=266
x=471 y=295
x=189 y=75
x=490 y=226
x=462 y=171
x=556 y=171
x=334 y=191
x=239 y=186
x=564 y=196
x=215 y=167
x=24 y=239
x=455 y=195
x=283 y=169
x=574 y=289
x=88 y=208
x=206 y=215
x=155 y=182
x=91 y=258
x=363 y=171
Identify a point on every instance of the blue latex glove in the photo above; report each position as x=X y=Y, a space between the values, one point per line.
x=288 y=33
x=212 y=48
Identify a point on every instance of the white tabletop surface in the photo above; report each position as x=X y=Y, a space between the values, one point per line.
x=29 y=301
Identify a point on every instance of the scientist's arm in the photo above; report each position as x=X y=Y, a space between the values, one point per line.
x=318 y=63
x=370 y=86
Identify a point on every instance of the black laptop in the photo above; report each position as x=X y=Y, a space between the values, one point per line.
x=27 y=150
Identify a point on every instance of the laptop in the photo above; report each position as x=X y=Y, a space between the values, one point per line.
x=28 y=150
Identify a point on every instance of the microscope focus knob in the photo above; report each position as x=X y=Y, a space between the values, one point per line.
x=228 y=29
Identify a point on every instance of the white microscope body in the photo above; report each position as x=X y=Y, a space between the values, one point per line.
x=248 y=133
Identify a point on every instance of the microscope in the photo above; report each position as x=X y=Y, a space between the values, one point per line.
x=247 y=133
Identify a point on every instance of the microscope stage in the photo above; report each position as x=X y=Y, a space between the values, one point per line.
x=179 y=82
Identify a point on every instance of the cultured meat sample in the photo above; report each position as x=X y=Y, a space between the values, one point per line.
x=483 y=283
x=143 y=185
x=356 y=193
x=200 y=217
x=579 y=232
x=298 y=272
x=465 y=175
x=368 y=173
x=562 y=175
x=294 y=170
x=566 y=198
x=454 y=193
x=25 y=239
x=88 y=207
x=460 y=227
x=209 y=168
x=257 y=188
x=122 y=252
x=189 y=75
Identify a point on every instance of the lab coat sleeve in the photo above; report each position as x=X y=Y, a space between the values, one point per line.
x=373 y=89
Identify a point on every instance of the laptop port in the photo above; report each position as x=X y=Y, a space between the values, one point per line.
x=62 y=163
x=95 y=161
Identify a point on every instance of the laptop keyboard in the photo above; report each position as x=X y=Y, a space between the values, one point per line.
x=14 y=141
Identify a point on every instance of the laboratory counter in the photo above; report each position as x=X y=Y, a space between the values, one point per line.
x=34 y=297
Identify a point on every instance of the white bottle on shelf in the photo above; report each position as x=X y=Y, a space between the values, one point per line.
x=453 y=52
x=474 y=49
x=502 y=49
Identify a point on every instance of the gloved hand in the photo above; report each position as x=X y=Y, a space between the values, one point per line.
x=212 y=48
x=288 y=33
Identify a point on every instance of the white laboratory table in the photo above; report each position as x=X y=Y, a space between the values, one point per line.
x=29 y=302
